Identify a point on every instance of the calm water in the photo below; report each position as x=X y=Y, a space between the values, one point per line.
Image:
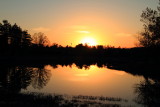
x=134 y=85
x=89 y=80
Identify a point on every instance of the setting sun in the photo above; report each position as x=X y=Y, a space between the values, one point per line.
x=79 y=52
x=89 y=41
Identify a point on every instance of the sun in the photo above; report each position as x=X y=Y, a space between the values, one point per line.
x=89 y=41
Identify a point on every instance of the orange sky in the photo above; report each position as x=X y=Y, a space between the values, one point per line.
x=68 y=22
x=104 y=30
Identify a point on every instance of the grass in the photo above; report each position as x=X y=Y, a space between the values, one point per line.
x=27 y=99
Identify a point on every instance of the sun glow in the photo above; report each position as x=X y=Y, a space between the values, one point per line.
x=89 y=41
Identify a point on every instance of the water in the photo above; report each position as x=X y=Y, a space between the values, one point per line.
x=92 y=81
x=74 y=80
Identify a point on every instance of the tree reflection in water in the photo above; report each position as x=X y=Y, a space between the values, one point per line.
x=13 y=79
x=40 y=77
x=148 y=93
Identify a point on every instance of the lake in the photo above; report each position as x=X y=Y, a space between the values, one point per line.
x=74 y=80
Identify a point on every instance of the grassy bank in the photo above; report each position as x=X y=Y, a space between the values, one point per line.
x=53 y=100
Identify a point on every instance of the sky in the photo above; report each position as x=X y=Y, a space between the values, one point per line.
x=68 y=22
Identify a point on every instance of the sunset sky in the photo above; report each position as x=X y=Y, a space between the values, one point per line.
x=70 y=22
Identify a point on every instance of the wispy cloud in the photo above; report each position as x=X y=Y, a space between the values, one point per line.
x=78 y=27
x=124 y=34
x=41 y=29
x=83 y=31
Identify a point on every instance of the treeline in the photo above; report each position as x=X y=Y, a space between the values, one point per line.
x=14 y=40
x=17 y=42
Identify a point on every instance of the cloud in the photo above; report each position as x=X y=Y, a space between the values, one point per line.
x=124 y=34
x=83 y=31
x=78 y=27
x=41 y=29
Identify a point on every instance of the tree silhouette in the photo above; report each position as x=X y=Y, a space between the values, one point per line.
x=26 y=39
x=150 y=37
x=40 y=39
x=13 y=35
x=5 y=33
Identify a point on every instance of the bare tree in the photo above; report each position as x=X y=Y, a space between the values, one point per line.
x=40 y=39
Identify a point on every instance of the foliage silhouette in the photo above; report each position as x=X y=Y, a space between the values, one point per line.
x=17 y=45
x=23 y=58
x=13 y=36
x=150 y=37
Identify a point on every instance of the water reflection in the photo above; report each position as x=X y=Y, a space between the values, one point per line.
x=148 y=93
x=41 y=77
x=15 y=78
x=87 y=78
